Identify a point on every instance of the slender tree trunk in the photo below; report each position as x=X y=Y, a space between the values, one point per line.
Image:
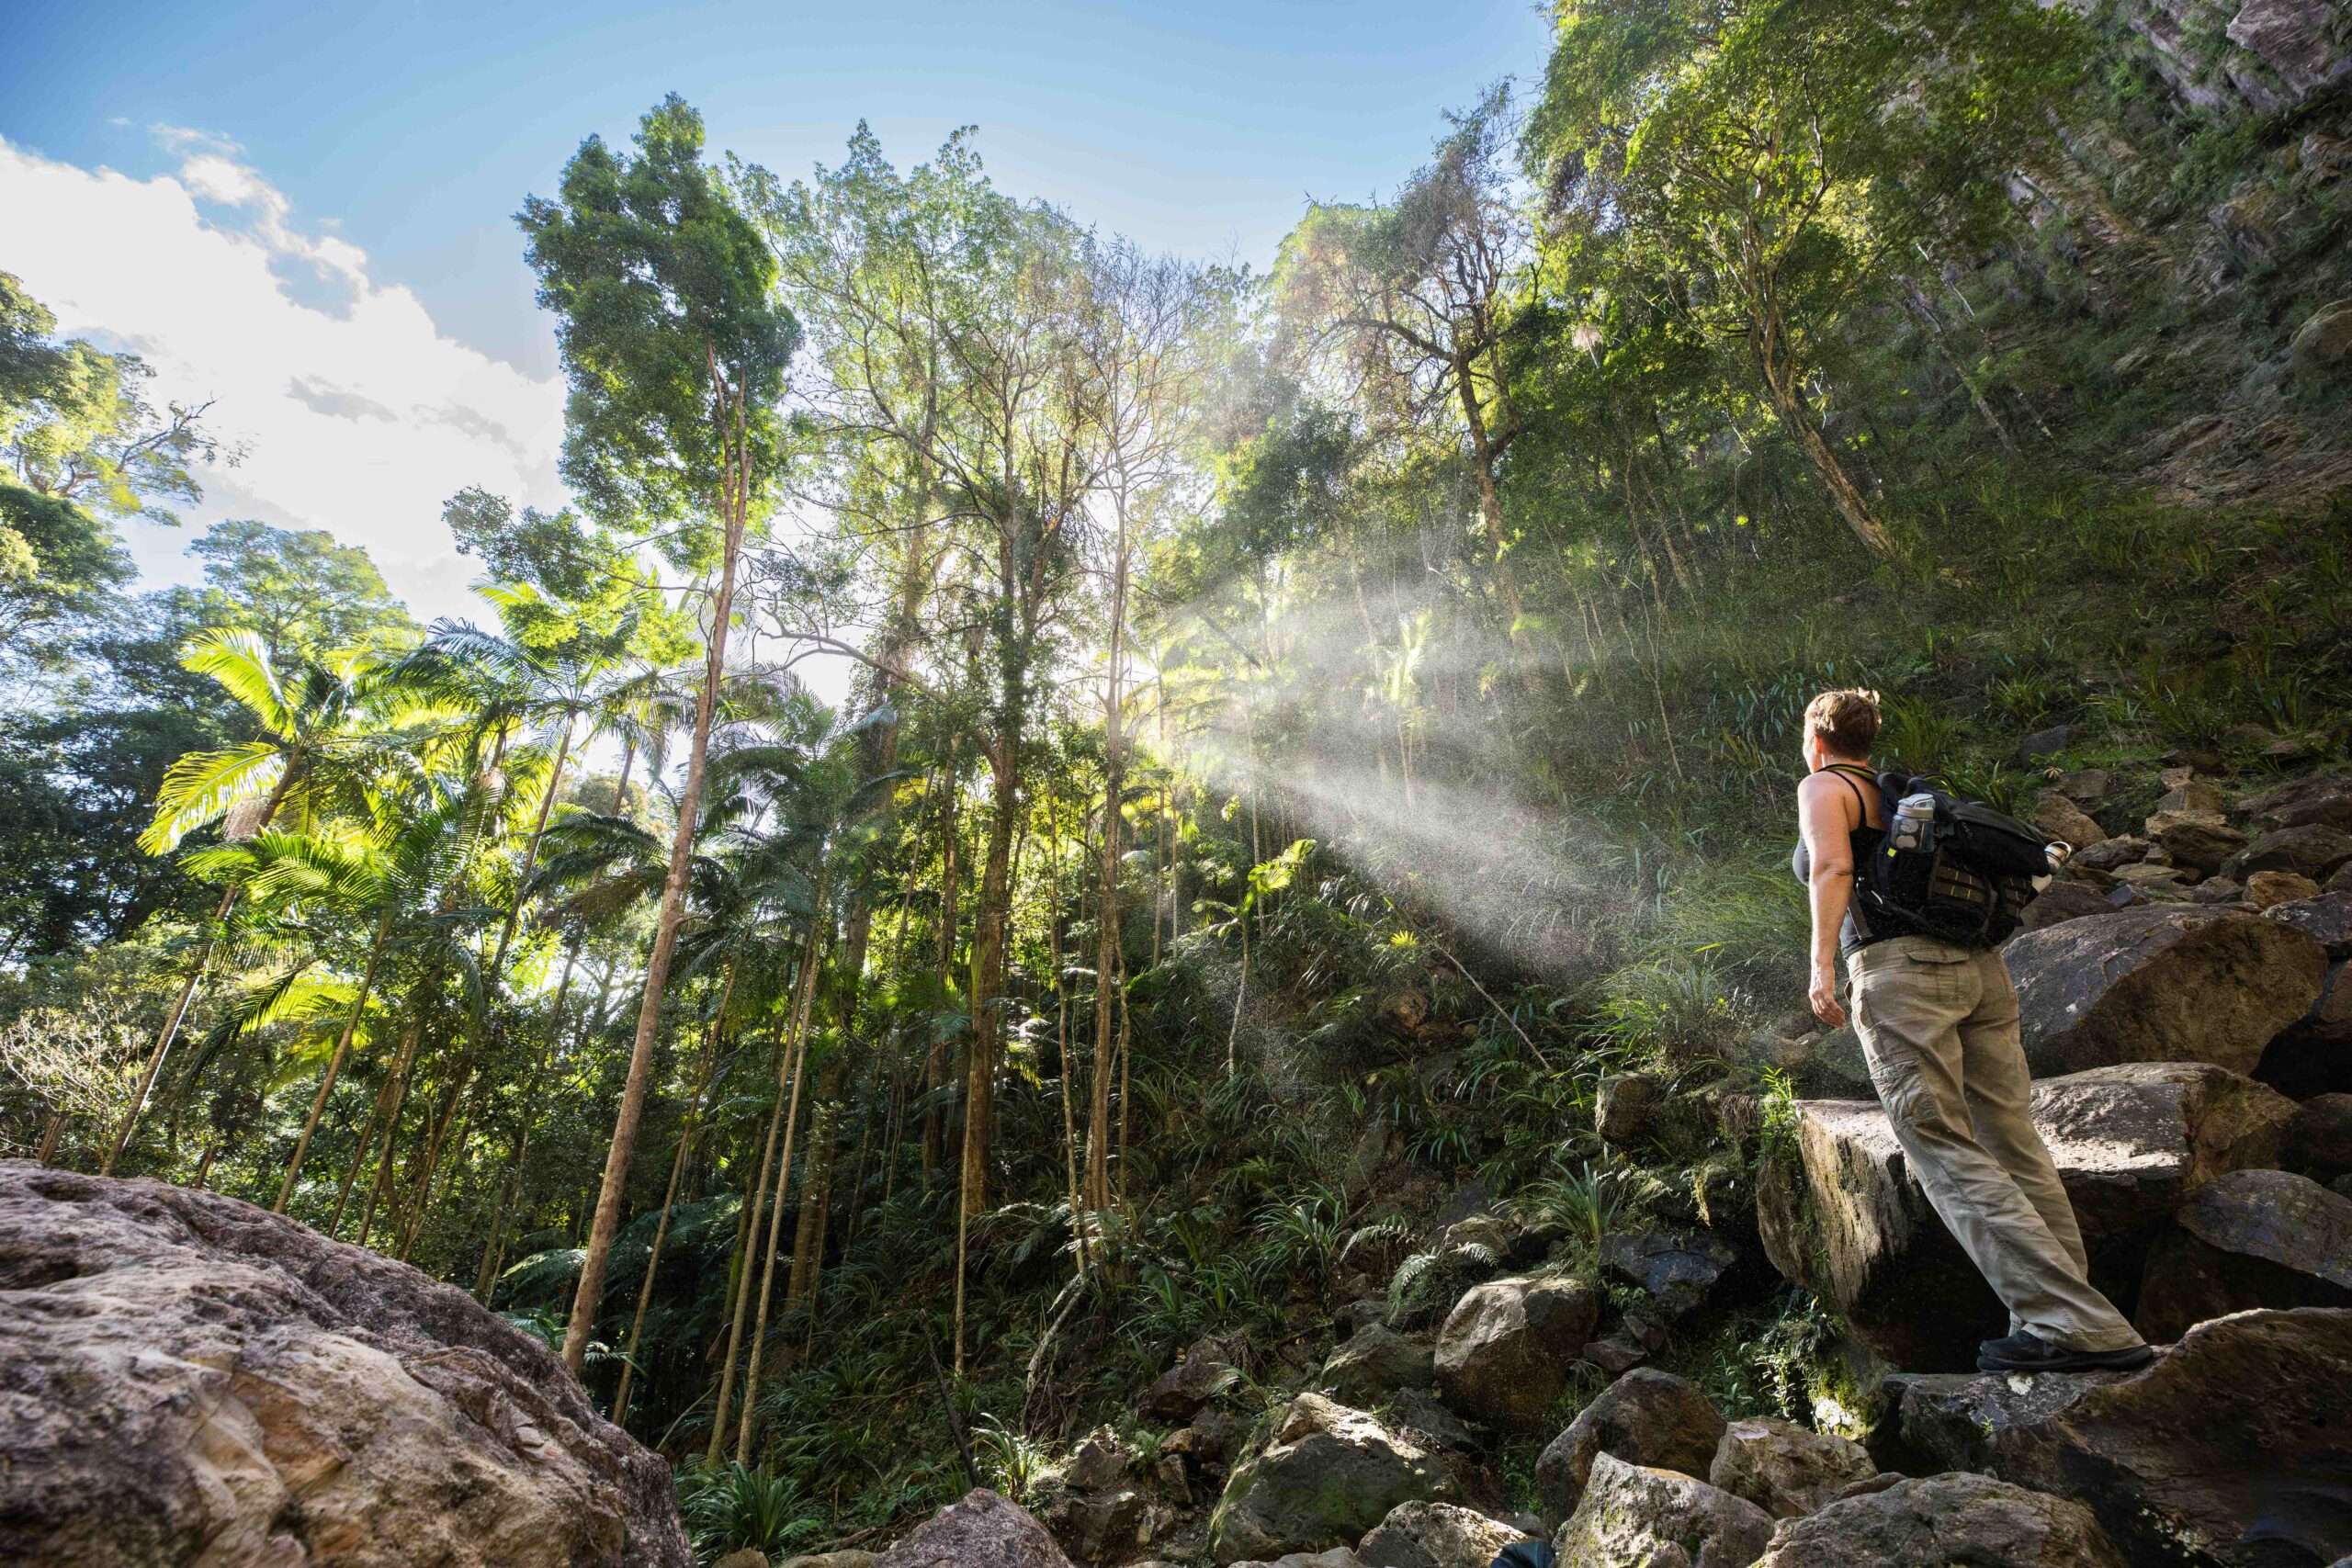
x=1061 y=1031
x=386 y=1167
x=799 y=1051
x=1241 y=993
x=748 y=1253
x=1125 y=1098
x=383 y=1118
x=988 y=973
x=493 y=1252
x=686 y=1135
x=1106 y=913
x=50 y=1134
x=665 y=939
x=936 y=1061
x=334 y=1063
x=443 y=1153
x=1785 y=392
x=816 y=1188
x=411 y=1215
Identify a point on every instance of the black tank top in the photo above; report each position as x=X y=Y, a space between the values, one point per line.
x=1864 y=842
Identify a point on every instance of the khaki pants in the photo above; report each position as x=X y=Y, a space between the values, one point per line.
x=1939 y=1026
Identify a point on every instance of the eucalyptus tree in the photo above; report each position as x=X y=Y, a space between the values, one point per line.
x=674 y=349
x=965 y=428
x=1413 y=297
x=1149 y=327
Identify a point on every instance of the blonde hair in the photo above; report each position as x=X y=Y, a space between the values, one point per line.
x=1846 y=721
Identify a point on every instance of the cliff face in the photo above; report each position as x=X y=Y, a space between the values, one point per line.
x=2199 y=225
x=2263 y=56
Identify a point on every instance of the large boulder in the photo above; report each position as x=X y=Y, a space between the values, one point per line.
x=2200 y=841
x=1435 y=1535
x=1199 y=1377
x=1327 y=1475
x=2161 y=983
x=2326 y=920
x=2066 y=898
x=1944 y=1520
x=1784 y=1469
x=2314 y=1055
x=1504 y=1353
x=2253 y=1238
x=1633 y=1517
x=1376 y=1362
x=2317 y=800
x=1848 y=1222
x=2232 y=1447
x=1108 y=1525
x=2056 y=814
x=1098 y=1460
x=1677 y=1269
x=2319 y=1139
x=184 y=1378
x=982 y=1531
x=1645 y=1417
x=2312 y=850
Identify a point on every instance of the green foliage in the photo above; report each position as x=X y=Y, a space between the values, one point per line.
x=304 y=594
x=663 y=287
x=736 y=1507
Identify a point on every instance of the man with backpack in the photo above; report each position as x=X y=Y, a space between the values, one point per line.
x=1917 y=916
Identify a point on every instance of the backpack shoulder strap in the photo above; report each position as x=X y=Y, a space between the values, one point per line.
x=1847 y=773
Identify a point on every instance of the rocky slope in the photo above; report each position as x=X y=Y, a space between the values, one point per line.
x=2196 y=1090
x=189 y=1380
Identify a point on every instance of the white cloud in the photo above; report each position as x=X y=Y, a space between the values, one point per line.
x=354 y=413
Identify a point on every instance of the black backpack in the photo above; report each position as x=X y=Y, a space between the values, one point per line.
x=1967 y=883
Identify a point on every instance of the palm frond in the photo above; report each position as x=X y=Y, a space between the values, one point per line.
x=202 y=787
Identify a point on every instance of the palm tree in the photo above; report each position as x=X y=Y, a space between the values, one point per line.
x=305 y=716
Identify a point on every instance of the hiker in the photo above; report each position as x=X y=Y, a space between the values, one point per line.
x=1938 y=1027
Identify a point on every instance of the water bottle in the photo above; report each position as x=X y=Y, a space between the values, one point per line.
x=1914 y=826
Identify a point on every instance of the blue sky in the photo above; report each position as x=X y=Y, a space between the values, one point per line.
x=413 y=130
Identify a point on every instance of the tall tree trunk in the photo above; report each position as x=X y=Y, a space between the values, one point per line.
x=748 y=1253
x=666 y=937
x=987 y=971
x=1126 y=1056
x=334 y=1063
x=1485 y=454
x=1106 y=913
x=815 y=1186
x=1061 y=1027
x=1784 y=390
x=935 y=1060
x=441 y=1155
x=493 y=1252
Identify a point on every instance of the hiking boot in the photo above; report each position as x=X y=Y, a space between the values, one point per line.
x=2023 y=1352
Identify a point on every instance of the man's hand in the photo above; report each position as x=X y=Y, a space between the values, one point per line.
x=1824 y=996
